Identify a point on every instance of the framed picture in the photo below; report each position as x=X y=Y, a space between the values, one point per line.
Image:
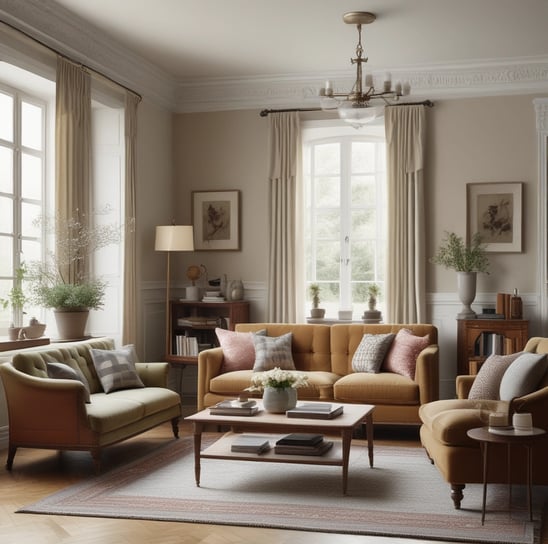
x=495 y=211
x=216 y=220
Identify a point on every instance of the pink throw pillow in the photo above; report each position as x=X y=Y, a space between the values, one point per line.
x=238 y=350
x=402 y=357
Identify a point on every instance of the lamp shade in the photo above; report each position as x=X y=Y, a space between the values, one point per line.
x=174 y=238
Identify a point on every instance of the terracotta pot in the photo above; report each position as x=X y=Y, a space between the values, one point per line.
x=71 y=324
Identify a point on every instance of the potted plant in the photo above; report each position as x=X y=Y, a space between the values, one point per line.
x=316 y=311
x=15 y=299
x=373 y=291
x=62 y=281
x=467 y=261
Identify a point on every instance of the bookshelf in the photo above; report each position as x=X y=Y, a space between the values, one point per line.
x=478 y=338
x=192 y=326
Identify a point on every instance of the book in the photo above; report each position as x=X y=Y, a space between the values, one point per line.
x=318 y=449
x=234 y=408
x=250 y=443
x=313 y=410
x=300 y=439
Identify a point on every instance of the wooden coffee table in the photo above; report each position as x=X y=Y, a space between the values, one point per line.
x=265 y=423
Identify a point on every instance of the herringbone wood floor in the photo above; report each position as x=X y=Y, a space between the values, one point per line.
x=38 y=473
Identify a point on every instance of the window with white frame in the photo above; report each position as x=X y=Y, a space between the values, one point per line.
x=22 y=190
x=345 y=214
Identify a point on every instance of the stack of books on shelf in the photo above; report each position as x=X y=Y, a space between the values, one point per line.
x=492 y=343
x=197 y=321
x=234 y=408
x=302 y=444
x=316 y=410
x=186 y=346
x=213 y=296
x=250 y=443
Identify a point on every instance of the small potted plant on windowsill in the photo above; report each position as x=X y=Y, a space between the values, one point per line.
x=316 y=312
x=372 y=315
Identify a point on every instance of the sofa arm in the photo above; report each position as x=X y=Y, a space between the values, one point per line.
x=427 y=374
x=153 y=374
x=209 y=366
x=536 y=403
x=463 y=385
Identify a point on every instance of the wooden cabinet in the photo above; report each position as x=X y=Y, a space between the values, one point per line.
x=474 y=337
x=192 y=326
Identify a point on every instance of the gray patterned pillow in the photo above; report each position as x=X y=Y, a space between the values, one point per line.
x=116 y=369
x=60 y=371
x=487 y=382
x=369 y=355
x=272 y=352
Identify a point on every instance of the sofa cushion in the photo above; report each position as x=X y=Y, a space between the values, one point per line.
x=238 y=349
x=381 y=388
x=273 y=352
x=107 y=412
x=402 y=357
x=487 y=382
x=60 y=371
x=116 y=368
x=371 y=351
x=523 y=375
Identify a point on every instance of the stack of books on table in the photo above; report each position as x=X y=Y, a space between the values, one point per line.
x=213 y=296
x=302 y=444
x=316 y=410
x=250 y=443
x=234 y=408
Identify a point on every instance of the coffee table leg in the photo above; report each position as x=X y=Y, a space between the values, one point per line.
x=198 y=427
x=346 y=435
x=484 y=446
x=369 y=436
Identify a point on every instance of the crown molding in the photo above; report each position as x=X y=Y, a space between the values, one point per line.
x=487 y=78
x=59 y=29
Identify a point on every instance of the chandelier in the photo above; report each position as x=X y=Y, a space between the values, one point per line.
x=355 y=107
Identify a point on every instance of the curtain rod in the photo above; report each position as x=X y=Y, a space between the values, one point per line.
x=53 y=50
x=266 y=112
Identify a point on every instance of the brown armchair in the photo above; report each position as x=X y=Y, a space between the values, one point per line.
x=458 y=457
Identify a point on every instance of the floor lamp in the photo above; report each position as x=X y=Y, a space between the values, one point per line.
x=172 y=238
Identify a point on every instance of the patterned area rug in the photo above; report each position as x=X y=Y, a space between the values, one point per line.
x=402 y=496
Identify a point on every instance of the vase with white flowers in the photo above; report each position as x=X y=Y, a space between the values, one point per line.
x=279 y=388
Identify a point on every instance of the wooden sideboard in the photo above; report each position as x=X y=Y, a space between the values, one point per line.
x=472 y=334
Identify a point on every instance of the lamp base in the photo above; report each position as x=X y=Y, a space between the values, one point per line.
x=193 y=293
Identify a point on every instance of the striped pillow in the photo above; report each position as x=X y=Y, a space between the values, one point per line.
x=272 y=352
x=116 y=369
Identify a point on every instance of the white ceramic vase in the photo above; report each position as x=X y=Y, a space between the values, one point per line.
x=278 y=401
x=466 y=290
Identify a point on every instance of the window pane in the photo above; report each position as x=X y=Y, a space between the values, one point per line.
x=363 y=191
x=363 y=157
x=6 y=250
x=6 y=216
x=327 y=159
x=363 y=224
x=6 y=170
x=328 y=192
x=31 y=177
x=31 y=251
x=363 y=261
x=328 y=225
x=6 y=114
x=31 y=126
x=29 y=213
x=327 y=261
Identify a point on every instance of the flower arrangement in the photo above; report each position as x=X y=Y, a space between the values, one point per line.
x=277 y=379
x=454 y=253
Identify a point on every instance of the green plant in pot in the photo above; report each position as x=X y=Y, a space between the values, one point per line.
x=315 y=312
x=63 y=283
x=15 y=300
x=467 y=260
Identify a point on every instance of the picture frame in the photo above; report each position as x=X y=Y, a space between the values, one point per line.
x=494 y=210
x=216 y=220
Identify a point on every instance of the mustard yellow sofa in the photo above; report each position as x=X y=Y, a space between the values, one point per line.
x=458 y=457
x=325 y=353
x=51 y=413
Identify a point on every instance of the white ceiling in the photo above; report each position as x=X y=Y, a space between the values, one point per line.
x=193 y=39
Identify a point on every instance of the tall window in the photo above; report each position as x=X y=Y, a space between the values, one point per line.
x=22 y=188
x=345 y=214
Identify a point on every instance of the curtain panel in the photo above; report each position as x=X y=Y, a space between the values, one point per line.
x=405 y=140
x=284 y=152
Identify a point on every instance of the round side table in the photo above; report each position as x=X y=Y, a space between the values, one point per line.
x=510 y=438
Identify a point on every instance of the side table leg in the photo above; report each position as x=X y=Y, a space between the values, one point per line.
x=197 y=450
x=369 y=436
x=484 y=451
x=530 y=480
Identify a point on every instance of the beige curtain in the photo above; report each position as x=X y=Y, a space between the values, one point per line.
x=284 y=152
x=72 y=151
x=129 y=330
x=405 y=135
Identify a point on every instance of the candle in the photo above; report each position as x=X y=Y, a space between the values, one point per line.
x=387 y=81
x=398 y=88
x=406 y=88
x=368 y=80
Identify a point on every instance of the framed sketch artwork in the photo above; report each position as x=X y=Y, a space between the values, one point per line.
x=216 y=220
x=494 y=210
